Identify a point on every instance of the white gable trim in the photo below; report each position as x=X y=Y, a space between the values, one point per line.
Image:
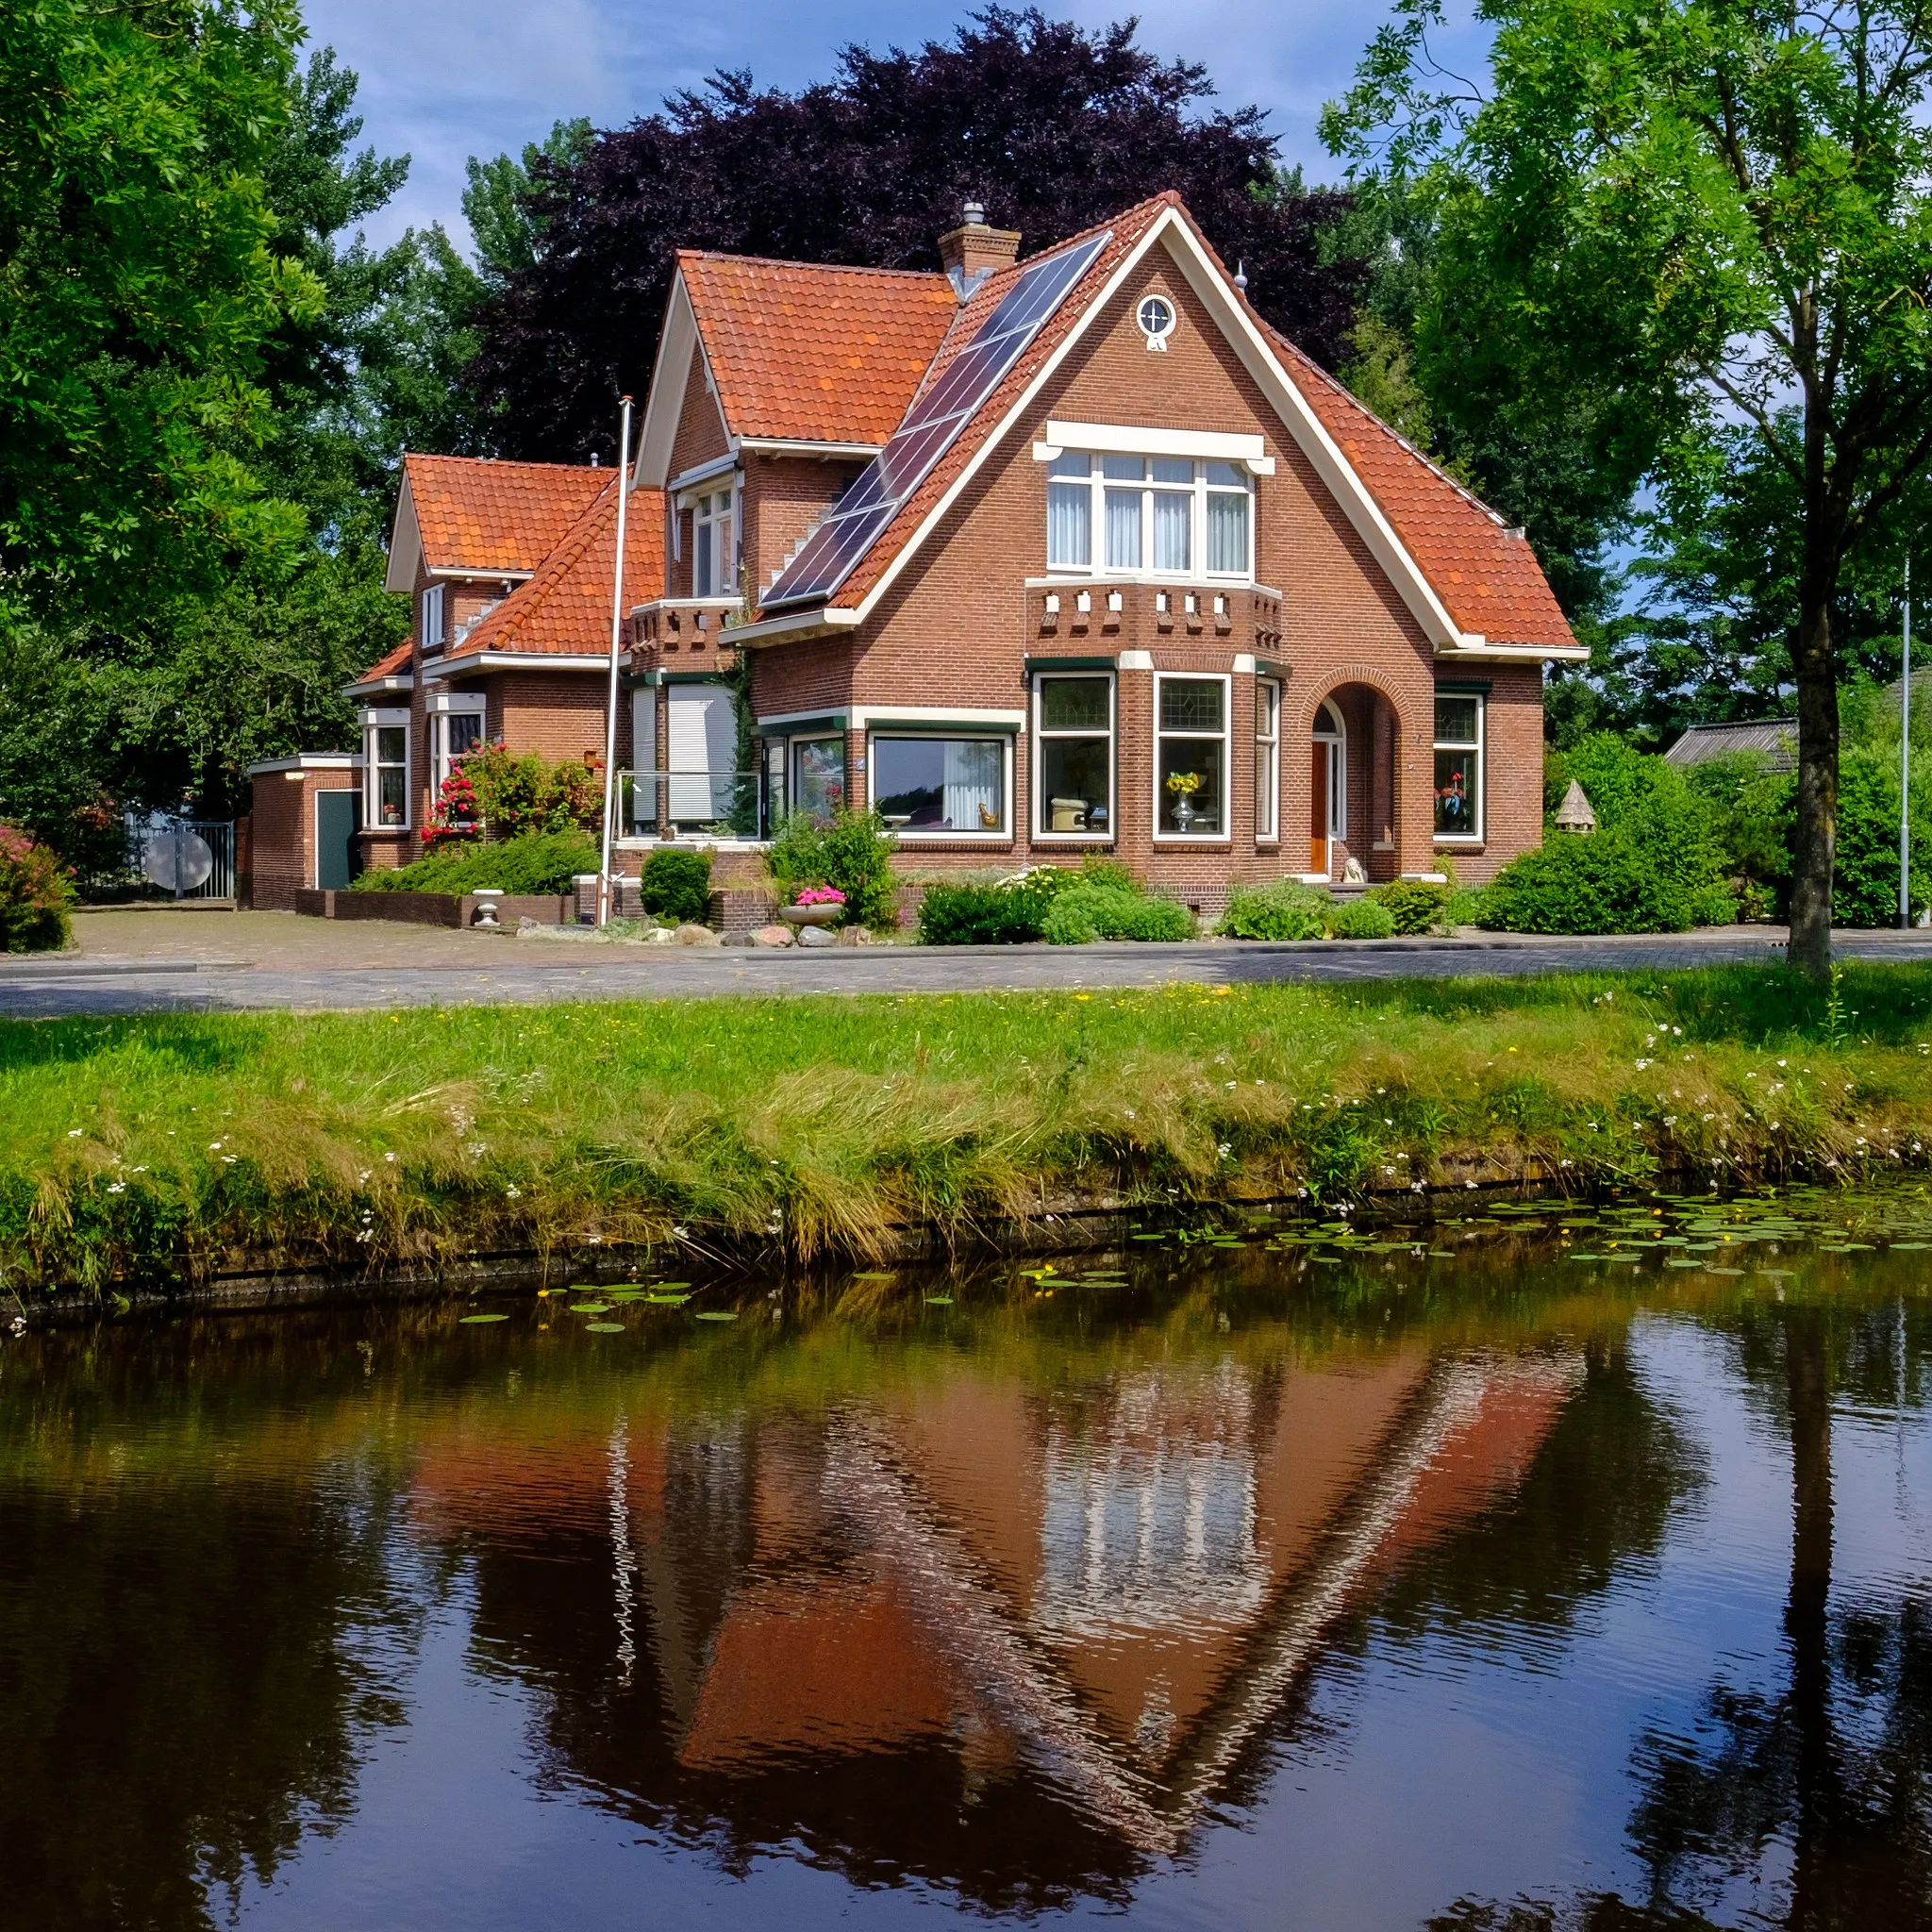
x=1288 y=404
x=677 y=344
x=404 y=544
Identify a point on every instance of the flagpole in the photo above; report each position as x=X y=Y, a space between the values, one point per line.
x=605 y=883
x=1904 y=767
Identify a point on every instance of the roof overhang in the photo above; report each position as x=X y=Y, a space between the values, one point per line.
x=307 y=761
x=1476 y=649
x=1292 y=408
x=677 y=344
x=478 y=662
x=790 y=624
x=375 y=687
x=795 y=446
x=405 y=542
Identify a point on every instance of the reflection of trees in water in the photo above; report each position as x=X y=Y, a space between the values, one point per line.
x=184 y=1698
x=1597 y=1499
x=1834 y=1766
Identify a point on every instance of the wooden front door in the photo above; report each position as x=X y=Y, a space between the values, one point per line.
x=1318 y=810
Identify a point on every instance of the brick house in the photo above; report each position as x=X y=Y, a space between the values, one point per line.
x=1038 y=558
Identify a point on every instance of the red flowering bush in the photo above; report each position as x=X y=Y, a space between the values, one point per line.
x=34 y=896
x=456 y=815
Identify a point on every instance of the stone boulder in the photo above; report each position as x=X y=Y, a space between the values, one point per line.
x=771 y=935
x=815 y=936
x=696 y=935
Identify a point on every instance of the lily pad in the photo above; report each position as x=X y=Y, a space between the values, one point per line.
x=467 y=1319
x=938 y=1300
x=666 y=1301
x=589 y=1308
x=717 y=1315
x=603 y=1327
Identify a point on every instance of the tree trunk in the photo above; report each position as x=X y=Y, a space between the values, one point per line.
x=1815 y=665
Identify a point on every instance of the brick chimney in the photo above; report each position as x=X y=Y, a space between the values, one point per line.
x=972 y=251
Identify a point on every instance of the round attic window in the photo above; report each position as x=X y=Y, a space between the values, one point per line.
x=1155 y=316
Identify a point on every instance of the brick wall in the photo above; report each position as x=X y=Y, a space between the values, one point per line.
x=282 y=832
x=783 y=497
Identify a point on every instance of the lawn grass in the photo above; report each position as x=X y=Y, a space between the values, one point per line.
x=162 y=1148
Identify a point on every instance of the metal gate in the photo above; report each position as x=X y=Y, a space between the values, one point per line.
x=183 y=858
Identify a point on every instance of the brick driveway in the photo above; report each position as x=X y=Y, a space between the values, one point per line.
x=147 y=962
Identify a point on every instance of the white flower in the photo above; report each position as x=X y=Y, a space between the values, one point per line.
x=1224 y=1150
x=117 y=1187
x=1469 y=1184
x=388 y=1157
x=515 y=1193
x=1130 y=1113
x=227 y=1160
x=73 y=1133
x=214 y=1147
x=681 y=1233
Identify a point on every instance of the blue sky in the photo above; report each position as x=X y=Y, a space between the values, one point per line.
x=442 y=79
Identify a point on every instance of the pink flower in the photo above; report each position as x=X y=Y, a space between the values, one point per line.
x=821 y=895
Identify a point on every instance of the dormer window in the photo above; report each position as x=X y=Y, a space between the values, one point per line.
x=714 y=549
x=433 y=632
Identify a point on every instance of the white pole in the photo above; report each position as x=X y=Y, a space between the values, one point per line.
x=605 y=883
x=1904 y=767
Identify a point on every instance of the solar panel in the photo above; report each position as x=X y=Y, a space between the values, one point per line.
x=934 y=421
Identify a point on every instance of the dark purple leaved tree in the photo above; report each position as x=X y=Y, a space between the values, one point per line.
x=1051 y=128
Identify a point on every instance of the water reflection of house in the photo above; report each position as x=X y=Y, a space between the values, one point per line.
x=1110 y=1588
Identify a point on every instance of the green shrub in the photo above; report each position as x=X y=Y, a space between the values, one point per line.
x=677 y=884
x=1467 y=906
x=1362 y=919
x=1714 y=905
x=1282 y=911
x=1654 y=809
x=34 y=896
x=1008 y=914
x=524 y=795
x=1413 y=906
x=1596 y=883
x=1090 y=913
x=542 y=862
x=854 y=852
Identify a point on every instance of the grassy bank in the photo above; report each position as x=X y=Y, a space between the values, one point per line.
x=172 y=1147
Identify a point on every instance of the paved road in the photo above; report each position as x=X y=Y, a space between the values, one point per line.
x=528 y=973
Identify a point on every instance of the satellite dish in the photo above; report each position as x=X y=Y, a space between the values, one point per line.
x=178 y=862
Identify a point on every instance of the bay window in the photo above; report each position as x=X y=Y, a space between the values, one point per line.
x=1190 y=757
x=818 y=777
x=1161 y=516
x=454 y=734
x=1267 y=758
x=1073 y=757
x=386 y=771
x=1458 y=765
x=956 y=786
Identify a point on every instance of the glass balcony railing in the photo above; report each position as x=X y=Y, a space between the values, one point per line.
x=685 y=805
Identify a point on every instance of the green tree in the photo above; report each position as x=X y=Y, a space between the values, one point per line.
x=506 y=225
x=1721 y=208
x=138 y=291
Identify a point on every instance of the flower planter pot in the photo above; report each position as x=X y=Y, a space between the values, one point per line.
x=812 y=915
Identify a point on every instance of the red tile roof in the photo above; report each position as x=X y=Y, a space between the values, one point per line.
x=1127 y=231
x=1485 y=572
x=474 y=513
x=564 y=610
x=391 y=664
x=805 y=352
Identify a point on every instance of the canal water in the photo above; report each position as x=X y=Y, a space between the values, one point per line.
x=1528 y=1569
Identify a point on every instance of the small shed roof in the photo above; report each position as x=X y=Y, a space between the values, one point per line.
x=1775 y=739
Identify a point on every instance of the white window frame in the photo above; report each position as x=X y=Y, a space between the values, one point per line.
x=440 y=707
x=1198 y=490
x=1001 y=834
x=434 y=620
x=373 y=723
x=1268 y=761
x=795 y=743
x=1336 y=738
x=1037 y=836
x=712 y=510
x=1476 y=748
x=1224 y=832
